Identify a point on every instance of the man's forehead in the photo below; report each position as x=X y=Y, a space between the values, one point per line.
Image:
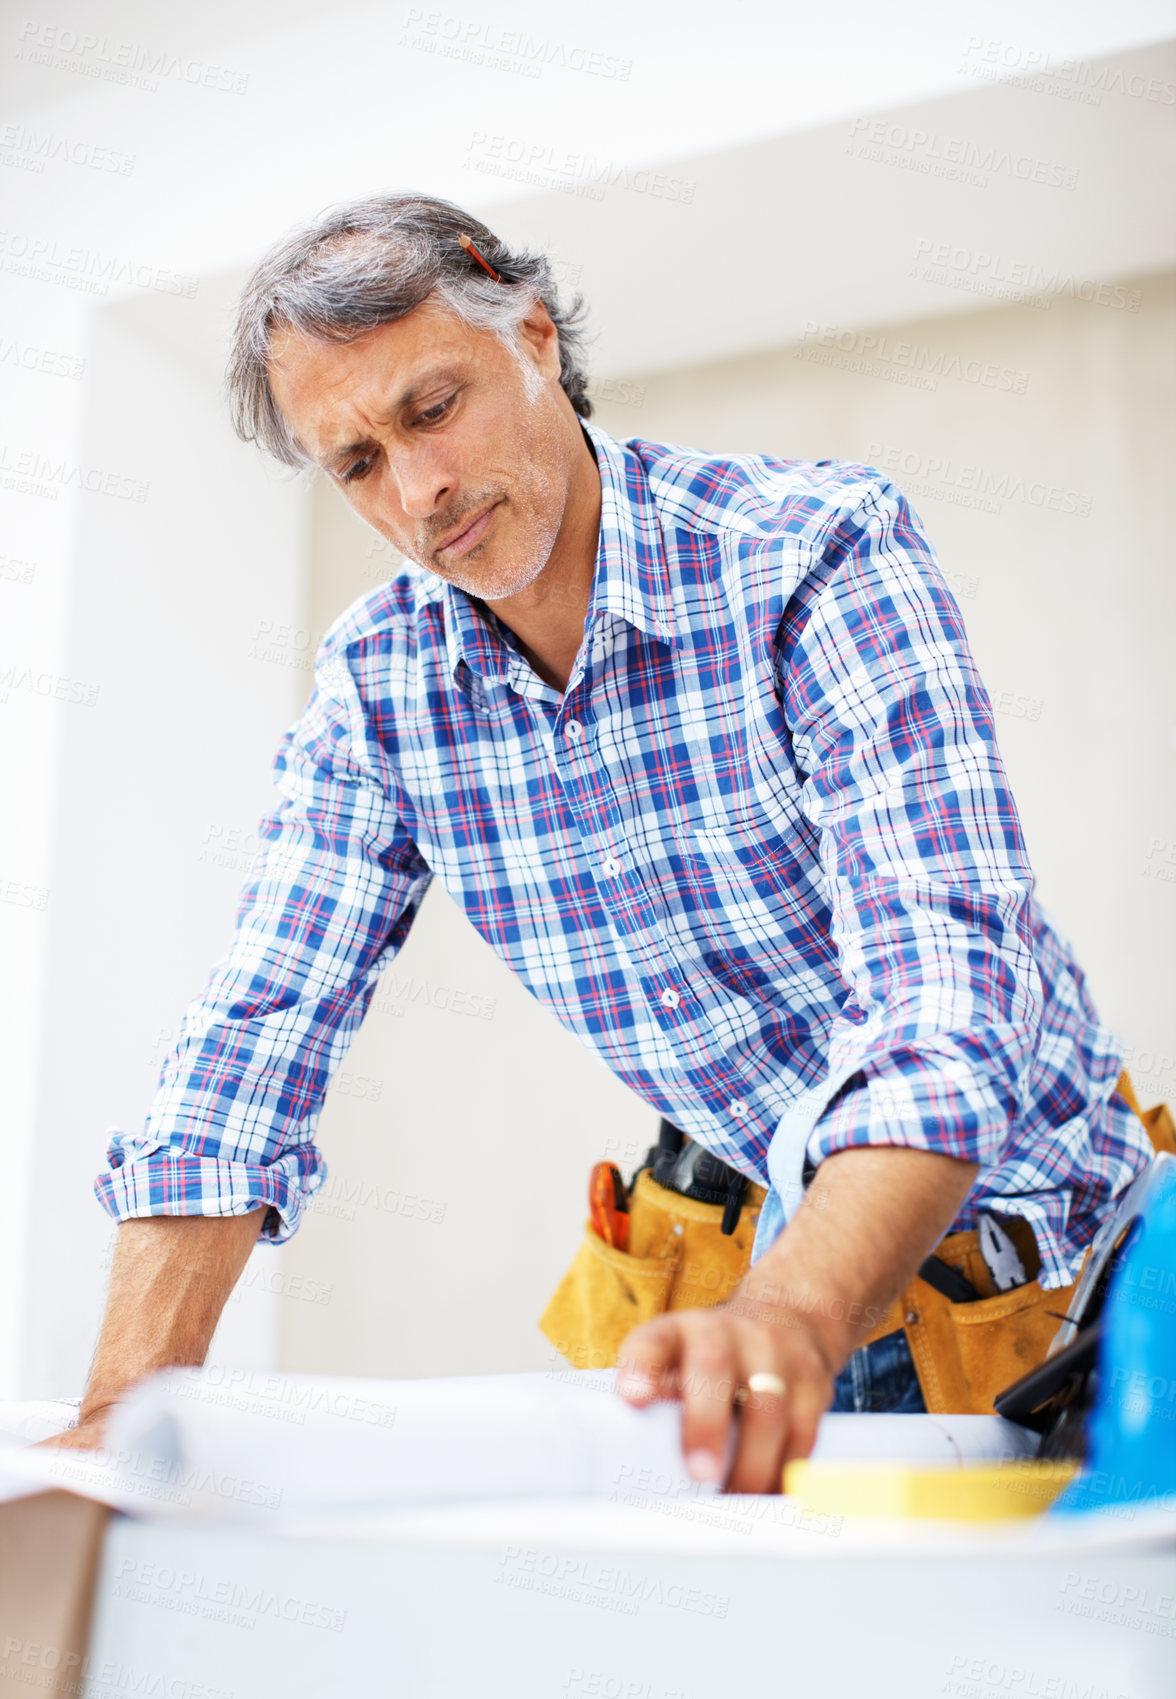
x=326 y=389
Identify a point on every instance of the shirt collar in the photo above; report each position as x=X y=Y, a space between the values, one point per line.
x=632 y=576
x=631 y=579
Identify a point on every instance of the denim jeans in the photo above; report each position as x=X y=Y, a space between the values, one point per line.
x=880 y=1377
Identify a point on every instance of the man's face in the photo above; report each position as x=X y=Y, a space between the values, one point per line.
x=454 y=449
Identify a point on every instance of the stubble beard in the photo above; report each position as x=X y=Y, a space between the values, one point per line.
x=511 y=572
x=520 y=562
x=514 y=565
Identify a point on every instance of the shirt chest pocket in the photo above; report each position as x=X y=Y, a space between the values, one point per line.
x=746 y=852
x=735 y=879
x=743 y=816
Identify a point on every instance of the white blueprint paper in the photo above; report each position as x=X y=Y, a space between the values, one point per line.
x=238 y=1444
x=311 y=1441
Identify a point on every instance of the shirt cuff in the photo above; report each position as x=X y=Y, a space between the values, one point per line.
x=158 y=1179
x=929 y=1101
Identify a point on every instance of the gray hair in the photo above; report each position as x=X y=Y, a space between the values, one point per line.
x=368 y=263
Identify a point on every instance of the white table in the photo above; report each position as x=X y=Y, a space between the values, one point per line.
x=648 y=1596
x=536 y=1606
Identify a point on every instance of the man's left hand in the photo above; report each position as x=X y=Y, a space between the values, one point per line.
x=869 y=1218
x=706 y=1358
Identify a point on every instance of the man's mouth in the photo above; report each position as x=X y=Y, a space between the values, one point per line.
x=472 y=534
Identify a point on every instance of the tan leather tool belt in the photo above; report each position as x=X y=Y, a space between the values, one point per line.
x=964 y=1354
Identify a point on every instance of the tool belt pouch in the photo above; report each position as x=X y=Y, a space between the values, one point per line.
x=678 y=1259
x=965 y=1354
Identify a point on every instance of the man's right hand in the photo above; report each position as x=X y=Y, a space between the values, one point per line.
x=88 y=1435
x=169 y=1281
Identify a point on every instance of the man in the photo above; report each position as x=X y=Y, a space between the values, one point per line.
x=698 y=745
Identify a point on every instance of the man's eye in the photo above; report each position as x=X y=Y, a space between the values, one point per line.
x=432 y=414
x=360 y=469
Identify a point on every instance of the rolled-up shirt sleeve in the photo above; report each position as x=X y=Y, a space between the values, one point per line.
x=329 y=898
x=922 y=852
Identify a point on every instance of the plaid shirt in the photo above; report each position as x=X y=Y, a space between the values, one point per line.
x=760 y=857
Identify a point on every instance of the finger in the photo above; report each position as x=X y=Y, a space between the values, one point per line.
x=809 y=1403
x=648 y=1360
x=764 y=1417
x=707 y=1370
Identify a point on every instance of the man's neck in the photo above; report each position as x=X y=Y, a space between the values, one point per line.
x=548 y=616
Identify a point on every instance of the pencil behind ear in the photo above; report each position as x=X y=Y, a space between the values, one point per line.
x=470 y=249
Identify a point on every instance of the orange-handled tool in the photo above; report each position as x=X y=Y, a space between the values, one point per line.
x=608 y=1205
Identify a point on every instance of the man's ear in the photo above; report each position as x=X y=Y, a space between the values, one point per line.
x=540 y=339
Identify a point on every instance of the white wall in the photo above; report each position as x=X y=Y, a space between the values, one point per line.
x=109 y=918
x=1040 y=186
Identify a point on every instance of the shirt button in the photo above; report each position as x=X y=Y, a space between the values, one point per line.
x=573 y=730
x=670 y=999
x=738 y=1109
x=612 y=867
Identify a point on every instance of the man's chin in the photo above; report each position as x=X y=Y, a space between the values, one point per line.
x=490 y=580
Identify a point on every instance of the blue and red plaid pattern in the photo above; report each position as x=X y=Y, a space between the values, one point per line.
x=761 y=857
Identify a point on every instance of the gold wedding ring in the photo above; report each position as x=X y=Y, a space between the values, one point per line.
x=762 y=1381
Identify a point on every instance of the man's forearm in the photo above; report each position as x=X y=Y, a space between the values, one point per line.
x=869 y=1218
x=169 y=1281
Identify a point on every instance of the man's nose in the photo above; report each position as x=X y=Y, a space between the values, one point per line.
x=422 y=483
